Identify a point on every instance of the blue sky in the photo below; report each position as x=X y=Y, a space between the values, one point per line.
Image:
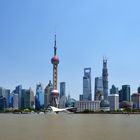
x=86 y=31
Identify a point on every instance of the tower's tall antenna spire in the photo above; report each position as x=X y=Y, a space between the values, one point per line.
x=55 y=48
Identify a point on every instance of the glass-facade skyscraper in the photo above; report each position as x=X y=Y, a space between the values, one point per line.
x=32 y=98
x=114 y=90
x=25 y=99
x=124 y=94
x=18 y=91
x=62 y=89
x=7 y=97
x=15 y=101
x=98 y=88
x=39 y=98
x=3 y=105
x=105 y=79
x=47 y=95
x=5 y=93
x=87 y=93
x=63 y=98
x=138 y=89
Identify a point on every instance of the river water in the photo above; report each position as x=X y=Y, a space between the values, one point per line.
x=69 y=127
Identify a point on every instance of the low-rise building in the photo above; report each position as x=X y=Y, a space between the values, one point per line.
x=104 y=105
x=87 y=105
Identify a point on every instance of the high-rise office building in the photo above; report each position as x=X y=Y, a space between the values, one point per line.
x=62 y=89
x=124 y=93
x=98 y=88
x=25 y=99
x=114 y=101
x=120 y=96
x=138 y=89
x=114 y=90
x=87 y=93
x=135 y=98
x=15 y=101
x=55 y=62
x=39 y=98
x=80 y=97
x=105 y=79
x=5 y=93
x=1 y=91
x=11 y=99
x=7 y=97
x=32 y=98
x=3 y=104
x=63 y=99
x=18 y=91
x=47 y=95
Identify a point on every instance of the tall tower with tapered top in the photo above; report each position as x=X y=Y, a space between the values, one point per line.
x=105 y=79
x=55 y=62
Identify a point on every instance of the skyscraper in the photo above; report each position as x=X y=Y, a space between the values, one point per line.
x=138 y=89
x=39 y=98
x=98 y=88
x=125 y=93
x=18 y=91
x=15 y=101
x=63 y=99
x=135 y=98
x=1 y=91
x=11 y=99
x=6 y=94
x=87 y=95
x=114 y=101
x=32 y=98
x=7 y=97
x=114 y=90
x=3 y=105
x=105 y=79
x=47 y=95
x=4 y=98
x=55 y=62
x=81 y=97
x=62 y=89
x=25 y=99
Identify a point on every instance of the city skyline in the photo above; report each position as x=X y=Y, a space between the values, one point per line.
x=86 y=32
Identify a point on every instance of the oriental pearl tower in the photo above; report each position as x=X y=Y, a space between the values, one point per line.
x=55 y=62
